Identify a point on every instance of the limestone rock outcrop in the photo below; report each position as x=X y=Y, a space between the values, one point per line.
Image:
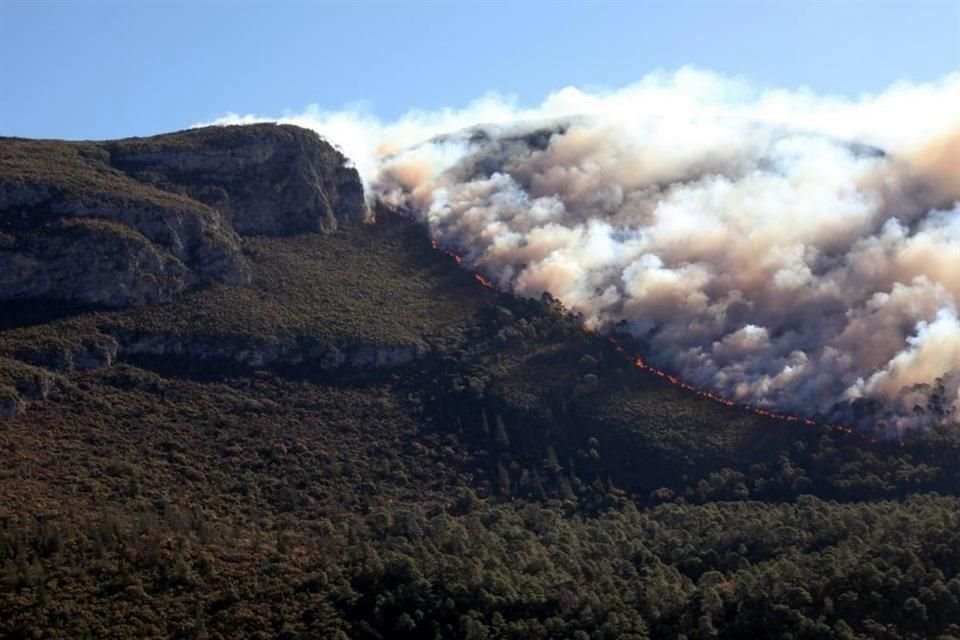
x=136 y=221
x=266 y=179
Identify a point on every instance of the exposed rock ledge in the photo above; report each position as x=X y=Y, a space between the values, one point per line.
x=19 y=383
x=34 y=374
x=271 y=354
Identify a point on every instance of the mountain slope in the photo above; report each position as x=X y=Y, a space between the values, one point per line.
x=363 y=441
x=136 y=221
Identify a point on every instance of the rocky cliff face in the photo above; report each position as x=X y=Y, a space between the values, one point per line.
x=257 y=354
x=92 y=261
x=266 y=179
x=136 y=221
x=77 y=229
x=20 y=382
x=29 y=374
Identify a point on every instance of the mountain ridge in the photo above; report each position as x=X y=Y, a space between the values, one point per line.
x=167 y=211
x=362 y=441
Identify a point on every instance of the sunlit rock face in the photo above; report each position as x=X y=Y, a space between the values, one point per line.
x=265 y=179
x=136 y=221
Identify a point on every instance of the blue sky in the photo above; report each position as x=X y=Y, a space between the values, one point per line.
x=109 y=69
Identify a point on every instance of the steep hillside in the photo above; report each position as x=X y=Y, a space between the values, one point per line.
x=136 y=221
x=361 y=440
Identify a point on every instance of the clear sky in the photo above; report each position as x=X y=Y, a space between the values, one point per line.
x=107 y=69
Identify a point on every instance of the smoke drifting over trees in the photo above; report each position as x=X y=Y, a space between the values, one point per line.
x=786 y=250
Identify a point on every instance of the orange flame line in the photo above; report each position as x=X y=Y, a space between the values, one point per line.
x=640 y=363
x=479 y=277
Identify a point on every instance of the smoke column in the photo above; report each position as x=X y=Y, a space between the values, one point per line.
x=786 y=250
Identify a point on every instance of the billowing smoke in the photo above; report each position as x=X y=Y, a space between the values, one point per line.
x=786 y=250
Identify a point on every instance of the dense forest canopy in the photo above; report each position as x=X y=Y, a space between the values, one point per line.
x=358 y=439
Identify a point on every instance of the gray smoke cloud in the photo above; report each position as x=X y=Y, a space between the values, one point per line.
x=786 y=250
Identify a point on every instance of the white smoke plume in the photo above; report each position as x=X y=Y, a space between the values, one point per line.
x=784 y=249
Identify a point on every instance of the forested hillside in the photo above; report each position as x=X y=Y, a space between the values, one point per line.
x=363 y=441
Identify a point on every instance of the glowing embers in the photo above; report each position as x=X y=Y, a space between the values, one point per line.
x=672 y=379
x=479 y=277
x=640 y=363
x=484 y=281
